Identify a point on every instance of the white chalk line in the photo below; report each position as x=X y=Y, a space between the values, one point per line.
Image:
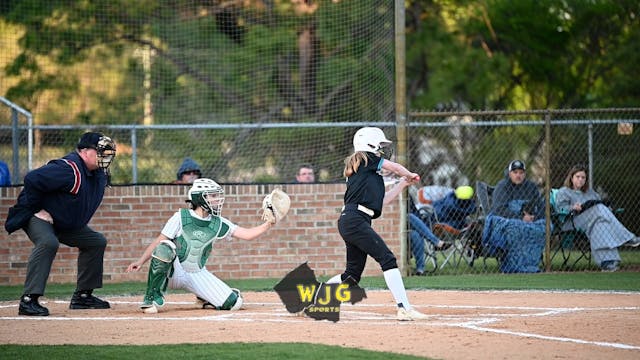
x=350 y=315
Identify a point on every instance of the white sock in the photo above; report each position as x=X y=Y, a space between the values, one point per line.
x=335 y=280
x=393 y=278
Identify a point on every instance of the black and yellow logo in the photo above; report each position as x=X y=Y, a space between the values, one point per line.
x=300 y=291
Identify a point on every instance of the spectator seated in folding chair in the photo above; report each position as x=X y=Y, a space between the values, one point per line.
x=566 y=240
x=590 y=215
x=514 y=230
x=437 y=213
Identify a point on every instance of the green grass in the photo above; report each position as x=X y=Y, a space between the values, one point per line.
x=302 y=351
x=575 y=262
x=585 y=281
x=595 y=281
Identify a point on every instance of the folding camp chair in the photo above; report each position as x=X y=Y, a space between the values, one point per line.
x=472 y=247
x=422 y=199
x=572 y=244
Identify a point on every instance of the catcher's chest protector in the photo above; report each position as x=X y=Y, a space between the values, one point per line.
x=194 y=245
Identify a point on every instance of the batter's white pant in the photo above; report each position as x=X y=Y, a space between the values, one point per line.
x=203 y=284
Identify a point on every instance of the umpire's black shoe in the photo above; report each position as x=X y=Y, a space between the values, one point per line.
x=29 y=306
x=84 y=300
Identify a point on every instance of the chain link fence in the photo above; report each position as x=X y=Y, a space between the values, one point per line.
x=446 y=148
x=454 y=149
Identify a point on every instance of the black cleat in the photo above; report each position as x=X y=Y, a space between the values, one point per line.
x=204 y=303
x=84 y=300
x=30 y=307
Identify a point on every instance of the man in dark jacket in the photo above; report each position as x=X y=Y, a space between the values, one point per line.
x=514 y=231
x=56 y=204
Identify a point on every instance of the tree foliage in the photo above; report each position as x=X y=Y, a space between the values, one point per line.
x=501 y=54
x=105 y=61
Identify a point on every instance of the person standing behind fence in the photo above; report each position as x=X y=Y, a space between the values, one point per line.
x=305 y=174
x=56 y=204
x=603 y=229
x=188 y=172
x=363 y=201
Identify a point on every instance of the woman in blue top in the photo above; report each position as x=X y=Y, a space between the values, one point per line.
x=363 y=202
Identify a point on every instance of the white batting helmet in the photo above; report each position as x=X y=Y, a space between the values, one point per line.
x=370 y=139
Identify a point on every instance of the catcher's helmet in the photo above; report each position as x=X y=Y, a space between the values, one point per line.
x=207 y=194
x=370 y=139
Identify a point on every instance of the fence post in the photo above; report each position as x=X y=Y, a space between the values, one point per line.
x=401 y=123
x=547 y=190
x=134 y=155
x=590 y=140
x=15 y=171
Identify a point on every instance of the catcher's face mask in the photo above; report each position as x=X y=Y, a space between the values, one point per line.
x=106 y=152
x=207 y=194
x=213 y=201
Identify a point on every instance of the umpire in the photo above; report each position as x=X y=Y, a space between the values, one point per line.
x=55 y=206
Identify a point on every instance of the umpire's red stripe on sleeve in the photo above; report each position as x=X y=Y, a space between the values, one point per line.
x=77 y=179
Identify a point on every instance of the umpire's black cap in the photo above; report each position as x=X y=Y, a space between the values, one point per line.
x=89 y=140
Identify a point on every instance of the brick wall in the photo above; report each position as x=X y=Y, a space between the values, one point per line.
x=132 y=216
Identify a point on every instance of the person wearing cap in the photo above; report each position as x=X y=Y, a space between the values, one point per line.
x=54 y=207
x=513 y=192
x=188 y=172
x=453 y=210
x=515 y=227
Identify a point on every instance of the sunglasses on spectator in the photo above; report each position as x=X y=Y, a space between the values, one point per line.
x=192 y=172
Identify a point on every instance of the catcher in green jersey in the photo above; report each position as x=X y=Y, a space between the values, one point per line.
x=179 y=254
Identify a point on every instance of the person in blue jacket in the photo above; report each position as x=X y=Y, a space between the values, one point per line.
x=56 y=204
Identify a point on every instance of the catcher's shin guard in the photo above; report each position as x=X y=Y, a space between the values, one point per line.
x=159 y=269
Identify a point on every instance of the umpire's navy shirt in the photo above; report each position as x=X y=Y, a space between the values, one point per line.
x=66 y=189
x=366 y=186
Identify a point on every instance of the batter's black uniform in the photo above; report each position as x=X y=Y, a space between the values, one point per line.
x=366 y=188
x=71 y=193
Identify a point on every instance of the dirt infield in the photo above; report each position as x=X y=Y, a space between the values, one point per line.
x=463 y=325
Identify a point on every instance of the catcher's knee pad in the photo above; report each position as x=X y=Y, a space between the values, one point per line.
x=165 y=251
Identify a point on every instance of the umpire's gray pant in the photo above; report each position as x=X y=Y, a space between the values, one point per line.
x=46 y=240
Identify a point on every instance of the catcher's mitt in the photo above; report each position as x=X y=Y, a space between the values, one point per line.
x=275 y=206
